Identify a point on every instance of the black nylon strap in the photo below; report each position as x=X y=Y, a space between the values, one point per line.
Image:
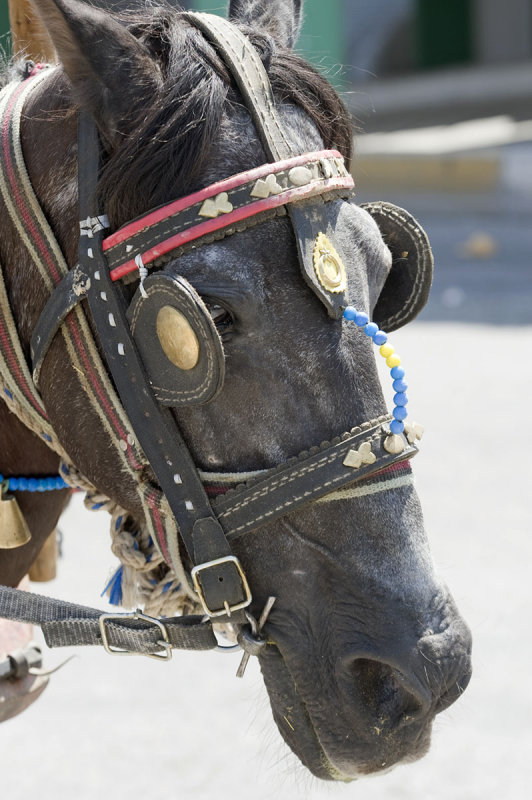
x=66 y=624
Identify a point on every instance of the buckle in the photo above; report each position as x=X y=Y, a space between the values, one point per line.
x=227 y=608
x=163 y=643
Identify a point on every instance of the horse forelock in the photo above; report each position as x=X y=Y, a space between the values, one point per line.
x=171 y=142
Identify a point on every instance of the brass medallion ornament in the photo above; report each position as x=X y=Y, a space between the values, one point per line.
x=177 y=338
x=328 y=266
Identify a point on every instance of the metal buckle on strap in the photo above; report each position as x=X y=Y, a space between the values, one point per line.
x=164 y=644
x=227 y=608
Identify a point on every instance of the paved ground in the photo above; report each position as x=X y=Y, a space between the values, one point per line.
x=126 y=728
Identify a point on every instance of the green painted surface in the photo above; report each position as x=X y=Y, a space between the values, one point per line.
x=443 y=32
x=211 y=6
x=5 y=37
x=322 y=39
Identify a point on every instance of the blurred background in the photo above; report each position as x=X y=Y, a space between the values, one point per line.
x=441 y=97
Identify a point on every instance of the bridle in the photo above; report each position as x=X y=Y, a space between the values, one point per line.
x=304 y=186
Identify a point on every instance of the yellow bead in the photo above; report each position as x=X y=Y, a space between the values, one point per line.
x=393 y=361
x=386 y=350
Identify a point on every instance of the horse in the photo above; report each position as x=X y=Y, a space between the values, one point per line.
x=363 y=645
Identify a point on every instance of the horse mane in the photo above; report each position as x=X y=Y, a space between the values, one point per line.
x=172 y=139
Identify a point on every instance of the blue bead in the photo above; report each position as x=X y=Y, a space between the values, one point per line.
x=60 y=483
x=380 y=338
x=400 y=412
x=397 y=373
x=13 y=484
x=399 y=385
x=371 y=329
x=350 y=313
x=32 y=484
x=400 y=399
x=50 y=484
x=396 y=426
x=361 y=319
x=41 y=484
x=23 y=484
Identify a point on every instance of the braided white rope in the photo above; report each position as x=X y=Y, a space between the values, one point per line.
x=146 y=580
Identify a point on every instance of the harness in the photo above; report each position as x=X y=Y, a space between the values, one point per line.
x=164 y=350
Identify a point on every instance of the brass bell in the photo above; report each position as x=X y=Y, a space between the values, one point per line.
x=13 y=529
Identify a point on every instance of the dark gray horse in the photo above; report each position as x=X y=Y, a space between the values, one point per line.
x=365 y=643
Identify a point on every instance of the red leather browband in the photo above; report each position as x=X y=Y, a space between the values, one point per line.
x=224 y=204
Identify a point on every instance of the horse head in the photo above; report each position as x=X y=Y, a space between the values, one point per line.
x=364 y=643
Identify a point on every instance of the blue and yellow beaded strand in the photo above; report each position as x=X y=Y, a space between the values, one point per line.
x=393 y=361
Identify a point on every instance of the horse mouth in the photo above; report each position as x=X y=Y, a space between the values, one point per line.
x=311 y=741
x=293 y=719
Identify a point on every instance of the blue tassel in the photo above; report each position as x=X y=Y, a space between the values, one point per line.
x=114 y=588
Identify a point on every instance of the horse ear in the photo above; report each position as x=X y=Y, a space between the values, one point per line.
x=407 y=286
x=280 y=18
x=102 y=60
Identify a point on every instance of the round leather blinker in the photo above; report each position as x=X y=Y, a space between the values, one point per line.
x=177 y=339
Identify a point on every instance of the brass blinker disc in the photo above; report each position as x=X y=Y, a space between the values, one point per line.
x=13 y=529
x=177 y=338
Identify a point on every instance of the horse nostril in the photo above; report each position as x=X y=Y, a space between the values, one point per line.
x=446 y=660
x=394 y=698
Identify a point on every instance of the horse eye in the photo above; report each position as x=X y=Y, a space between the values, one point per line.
x=221 y=318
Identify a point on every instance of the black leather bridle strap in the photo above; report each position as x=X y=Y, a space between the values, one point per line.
x=249 y=74
x=154 y=427
x=65 y=297
x=155 y=239
x=349 y=459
